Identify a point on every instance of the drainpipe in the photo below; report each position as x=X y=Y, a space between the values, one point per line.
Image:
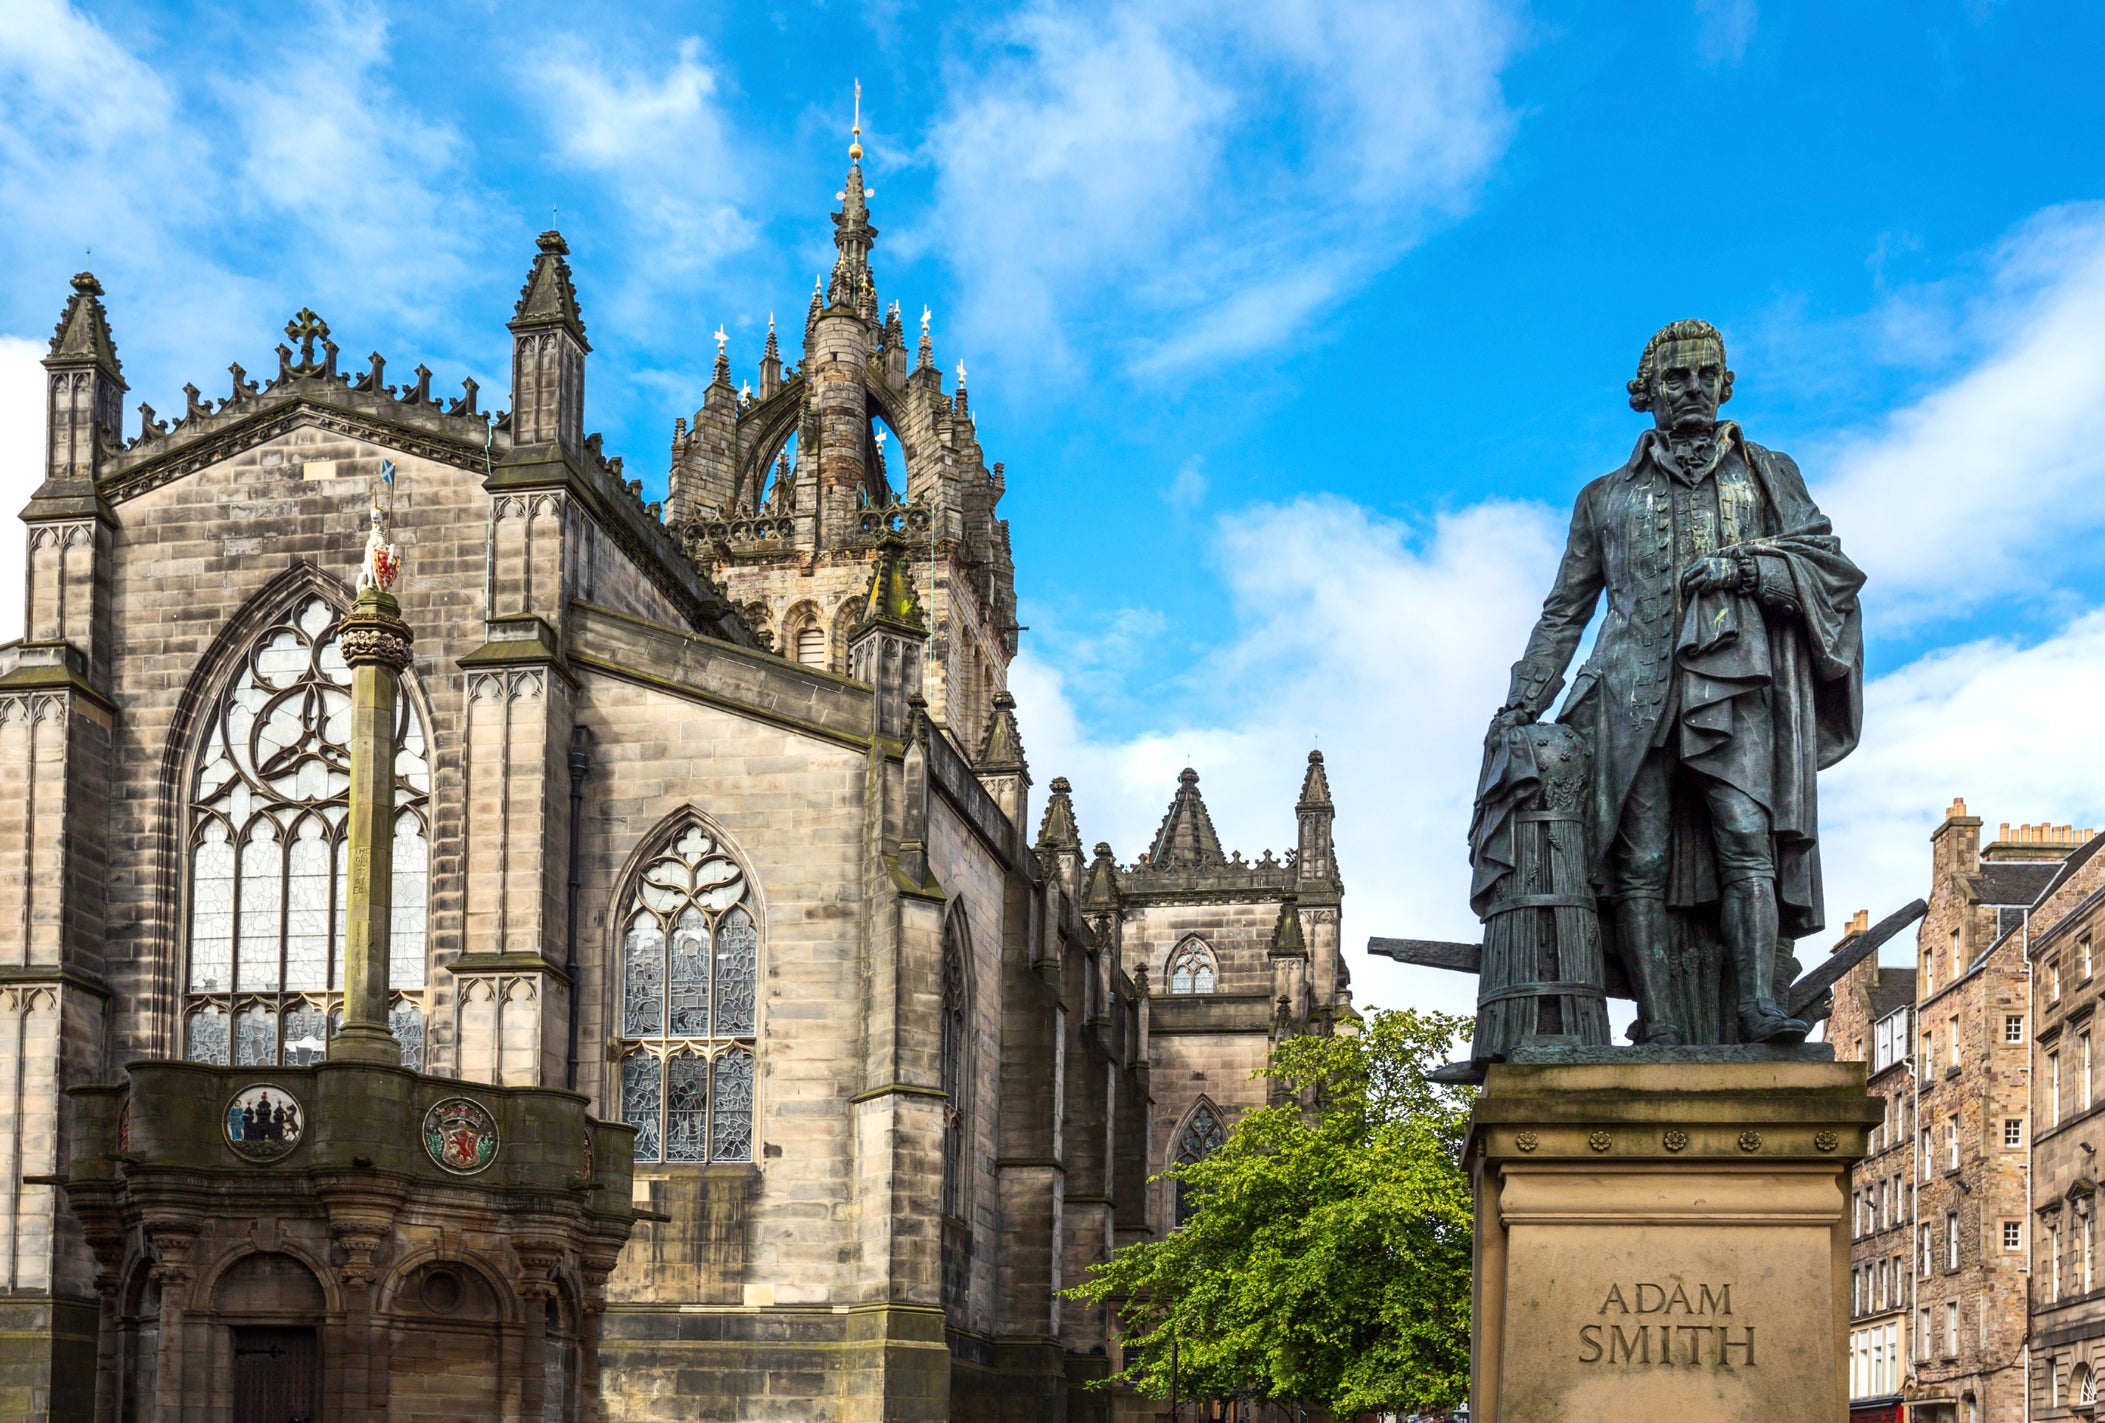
x=2031 y=1119
x=580 y=763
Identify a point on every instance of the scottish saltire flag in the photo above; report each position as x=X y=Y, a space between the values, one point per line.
x=387 y=472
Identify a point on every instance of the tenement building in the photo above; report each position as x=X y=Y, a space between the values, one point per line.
x=1873 y=1008
x=1970 y=1257
x=715 y=813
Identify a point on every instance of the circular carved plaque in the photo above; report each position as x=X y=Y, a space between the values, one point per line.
x=264 y=1122
x=1750 y=1141
x=1674 y=1139
x=1827 y=1141
x=1527 y=1141
x=1600 y=1141
x=460 y=1135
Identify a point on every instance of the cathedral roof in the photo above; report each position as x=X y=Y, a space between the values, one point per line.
x=1187 y=839
x=549 y=298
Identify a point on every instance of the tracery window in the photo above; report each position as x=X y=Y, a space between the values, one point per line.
x=689 y=971
x=1192 y=968
x=266 y=856
x=1201 y=1137
x=955 y=1080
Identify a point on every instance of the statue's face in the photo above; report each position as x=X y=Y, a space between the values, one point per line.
x=1688 y=383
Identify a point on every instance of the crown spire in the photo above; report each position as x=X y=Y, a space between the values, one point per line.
x=852 y=234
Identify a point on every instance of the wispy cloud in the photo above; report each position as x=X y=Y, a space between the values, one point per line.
x=369 y=181
x=1390 y=641
x=220 y=196
x=1386 y=644
x=621 y=124
x=1117 y=181
x=1983 y=488
x=21 y=466
x=1724 y=29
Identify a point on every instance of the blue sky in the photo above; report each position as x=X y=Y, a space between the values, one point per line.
x=1297 y=325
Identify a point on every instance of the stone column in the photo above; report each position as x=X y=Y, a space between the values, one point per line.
x=172 y=1240
x=375 y=642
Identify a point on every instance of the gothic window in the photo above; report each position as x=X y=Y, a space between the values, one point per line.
x=267 y=864
x=1201 y=1137
x=1192 y=968
x=952 y=1049
x=811 y=646
x=690 y=960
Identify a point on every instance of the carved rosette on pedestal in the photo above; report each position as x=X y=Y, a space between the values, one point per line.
x=1664 y=1239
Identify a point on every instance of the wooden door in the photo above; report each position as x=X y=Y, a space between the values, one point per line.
x=276 y=1378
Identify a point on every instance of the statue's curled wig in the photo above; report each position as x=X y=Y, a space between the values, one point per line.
x=1640 y=386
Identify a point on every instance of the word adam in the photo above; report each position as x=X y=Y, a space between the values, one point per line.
x=1663 y=1341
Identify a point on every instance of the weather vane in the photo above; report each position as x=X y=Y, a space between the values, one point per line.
x=960 y=372
x=721 y=339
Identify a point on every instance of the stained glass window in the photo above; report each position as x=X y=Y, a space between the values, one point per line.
x=1191 y=968
x=955 y=1081
x=267 y=863
x=731 y=1107
x=1202 y=1135
x=689 y=983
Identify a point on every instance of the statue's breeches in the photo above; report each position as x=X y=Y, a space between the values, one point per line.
x=1643 y=853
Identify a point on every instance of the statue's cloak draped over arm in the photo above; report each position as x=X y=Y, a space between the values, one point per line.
x=1797 y=665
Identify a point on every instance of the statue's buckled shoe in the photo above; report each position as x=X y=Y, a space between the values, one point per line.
x=1767 y=1023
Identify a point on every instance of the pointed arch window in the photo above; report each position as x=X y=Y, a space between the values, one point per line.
x=954 y=1060
x=1192 y=968
x=266 y=858
x=690 y=952
x=955 y=1080
x=1201 y=1137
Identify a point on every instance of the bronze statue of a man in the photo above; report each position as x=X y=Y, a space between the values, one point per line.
x=1727 y=672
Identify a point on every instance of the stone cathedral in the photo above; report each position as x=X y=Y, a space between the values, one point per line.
x=715 y=813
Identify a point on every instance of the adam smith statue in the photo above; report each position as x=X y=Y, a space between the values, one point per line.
x=1727 y=672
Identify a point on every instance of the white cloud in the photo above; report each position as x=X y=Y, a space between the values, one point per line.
x=1724 y=29
x=1118 y=180
x=1383 y=643
x=1187 y=490
x=1981 y=489
x=1993 y=722
x=220 y=194
x=624 y=125
x=1391 y=642
x=21 y=466
x=365 y=179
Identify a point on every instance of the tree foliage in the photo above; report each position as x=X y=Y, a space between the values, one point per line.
x=1327 y=1258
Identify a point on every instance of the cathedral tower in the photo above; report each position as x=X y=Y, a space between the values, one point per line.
x=783 y=495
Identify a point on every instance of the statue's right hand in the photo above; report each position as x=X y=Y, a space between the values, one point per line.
x=1507 y=720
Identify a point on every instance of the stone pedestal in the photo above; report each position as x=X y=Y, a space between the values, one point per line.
x=1664 y=1235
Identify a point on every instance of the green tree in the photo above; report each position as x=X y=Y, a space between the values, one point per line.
x=1327 y=1255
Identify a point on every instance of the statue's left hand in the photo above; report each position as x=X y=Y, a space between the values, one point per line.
x=1710 y=575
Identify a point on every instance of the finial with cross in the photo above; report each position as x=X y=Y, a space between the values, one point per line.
x=307 y=328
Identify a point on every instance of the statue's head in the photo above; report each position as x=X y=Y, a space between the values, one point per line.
x=1681 y=378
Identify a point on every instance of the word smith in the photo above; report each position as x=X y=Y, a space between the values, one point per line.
x=1667 y=1341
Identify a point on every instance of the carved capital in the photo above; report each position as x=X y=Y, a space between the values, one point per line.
x=376 y=642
